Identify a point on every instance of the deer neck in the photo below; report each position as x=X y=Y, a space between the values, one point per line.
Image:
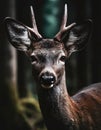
x=58 y=109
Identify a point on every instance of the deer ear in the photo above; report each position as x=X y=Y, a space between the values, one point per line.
x=18 y=34
x=77 y=36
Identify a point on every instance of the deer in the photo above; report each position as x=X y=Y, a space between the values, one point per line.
x=60 y=111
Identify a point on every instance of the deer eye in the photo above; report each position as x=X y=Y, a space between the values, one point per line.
x=63 y=58
x=34 y=59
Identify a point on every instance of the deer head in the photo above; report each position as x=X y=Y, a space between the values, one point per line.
x=48 y=56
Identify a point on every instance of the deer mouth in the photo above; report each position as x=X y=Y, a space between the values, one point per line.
x=47 y=87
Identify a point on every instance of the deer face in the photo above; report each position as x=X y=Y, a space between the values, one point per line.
x=48 y=60
x=48 y=56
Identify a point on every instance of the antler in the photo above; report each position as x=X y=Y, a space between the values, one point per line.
x=64 y=21
x=63 y=27
x=34 y=26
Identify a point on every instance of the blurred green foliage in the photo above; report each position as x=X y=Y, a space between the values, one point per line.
x=50 y=17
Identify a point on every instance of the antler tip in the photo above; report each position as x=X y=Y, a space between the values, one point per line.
x=65 y=11
x=65 y=6
x=31 y=8
x=64 y=21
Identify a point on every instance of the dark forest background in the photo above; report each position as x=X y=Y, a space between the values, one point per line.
x=18 y=98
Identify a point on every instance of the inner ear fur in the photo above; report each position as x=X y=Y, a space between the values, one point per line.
x=18 y=34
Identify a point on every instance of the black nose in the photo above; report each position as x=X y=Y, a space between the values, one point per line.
x=47 y=79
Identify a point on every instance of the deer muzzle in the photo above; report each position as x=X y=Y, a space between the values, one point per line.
x=47 y=80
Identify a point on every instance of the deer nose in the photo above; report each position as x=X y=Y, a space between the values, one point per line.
x=47 y=80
